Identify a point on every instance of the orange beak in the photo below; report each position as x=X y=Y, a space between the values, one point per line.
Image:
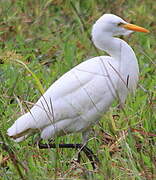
x=135 y=28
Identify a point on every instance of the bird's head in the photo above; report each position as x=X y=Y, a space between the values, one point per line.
x=113 y=25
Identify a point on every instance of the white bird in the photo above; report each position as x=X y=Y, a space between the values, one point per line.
x=77 y=100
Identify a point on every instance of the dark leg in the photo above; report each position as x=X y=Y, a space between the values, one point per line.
x=90 y=155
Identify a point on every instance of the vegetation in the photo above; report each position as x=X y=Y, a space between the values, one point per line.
x=42 y=39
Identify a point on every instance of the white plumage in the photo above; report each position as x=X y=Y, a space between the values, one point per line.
x=79 y=98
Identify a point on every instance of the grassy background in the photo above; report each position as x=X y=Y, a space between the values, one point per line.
x=50 y=38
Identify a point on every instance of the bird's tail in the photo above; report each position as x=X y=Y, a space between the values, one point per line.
x=21 y=127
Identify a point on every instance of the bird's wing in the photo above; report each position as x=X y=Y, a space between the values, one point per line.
x=80 y=96
x=76 y=92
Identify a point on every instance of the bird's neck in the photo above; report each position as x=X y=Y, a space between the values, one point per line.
x=106 y=42
x=109 y=44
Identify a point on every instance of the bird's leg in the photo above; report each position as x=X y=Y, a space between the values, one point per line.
x=81 y=147
x=90 y=155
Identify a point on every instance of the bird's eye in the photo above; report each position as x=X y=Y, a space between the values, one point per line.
x=120 y=24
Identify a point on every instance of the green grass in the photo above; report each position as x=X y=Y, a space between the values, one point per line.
x=50 y=38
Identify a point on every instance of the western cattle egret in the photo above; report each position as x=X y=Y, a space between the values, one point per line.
x=77 y=100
